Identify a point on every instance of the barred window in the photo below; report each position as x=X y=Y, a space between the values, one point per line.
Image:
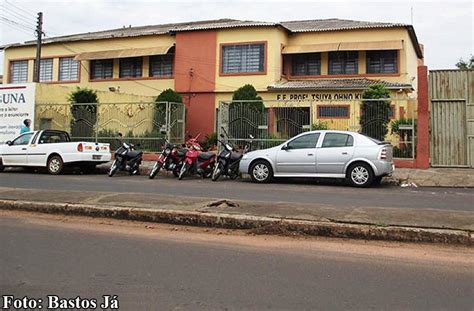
x=19 y=71
x=333 y=112
x=161 y=65
x=46 y=70
x=343 y=63
x=306 y=64
x=68 y=69
x=382 y=61
x=243 y=58
x=102 y=69
x=131 y=67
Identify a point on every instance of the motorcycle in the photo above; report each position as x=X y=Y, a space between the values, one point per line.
x=228 y=159
x=126 y=159
x=170 y=159
x=196 y=161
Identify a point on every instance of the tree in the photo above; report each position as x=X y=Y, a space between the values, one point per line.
x=84 y=117
x=248 y=92
x=247 y=112
x=466 y=65
x=375 y=114
x=161 y=100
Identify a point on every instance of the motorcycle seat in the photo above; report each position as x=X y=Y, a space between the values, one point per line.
x=134 y=154
x=234 y=156
x=206 y=155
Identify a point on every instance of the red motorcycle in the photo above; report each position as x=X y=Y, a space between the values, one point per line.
x=196 y=161
x=170 y=159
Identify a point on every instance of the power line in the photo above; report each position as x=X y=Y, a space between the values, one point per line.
x=18 y=16
x=26 y=27
x=27 y=12
x=13 y=26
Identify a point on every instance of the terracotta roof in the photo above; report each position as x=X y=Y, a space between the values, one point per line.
x=333 y=24
x=222 y=25
x=334 y=84
x=317 y=25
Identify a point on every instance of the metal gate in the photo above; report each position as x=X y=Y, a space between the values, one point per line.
x=273 y=122
x=139 y=123
x=452 y=118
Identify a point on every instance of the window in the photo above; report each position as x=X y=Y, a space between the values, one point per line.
x=306 y=64
x=102 y=69
x=305 y=141
x=382 y=62
x=19 y=71
x=343 y=63
x=337 y=140
x=161 y=65
x=131 y=67
x=53 y=138
x=68 y=69
x=333 y=112
x=23 y=139
x=243 y=58
x=46 y=70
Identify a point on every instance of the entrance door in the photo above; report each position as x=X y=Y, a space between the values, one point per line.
x=298 y=156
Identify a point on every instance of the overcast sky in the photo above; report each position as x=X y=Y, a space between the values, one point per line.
x=444 y=27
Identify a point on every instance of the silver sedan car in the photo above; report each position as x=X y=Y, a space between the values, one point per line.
x=359 y=159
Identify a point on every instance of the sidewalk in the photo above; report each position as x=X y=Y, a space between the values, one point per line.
x=434 y=177
x=407 y=224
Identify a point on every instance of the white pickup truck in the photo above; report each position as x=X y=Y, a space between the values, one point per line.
x=52 y=149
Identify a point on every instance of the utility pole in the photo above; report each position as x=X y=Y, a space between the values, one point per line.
x=39 y=35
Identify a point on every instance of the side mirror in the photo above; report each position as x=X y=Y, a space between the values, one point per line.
x=285 y=147
x=120 y=134
x=222 y=135
x=251 y=136
x=163 y=132
x=9 y=143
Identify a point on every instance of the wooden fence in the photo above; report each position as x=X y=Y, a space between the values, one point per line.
x=452 y=118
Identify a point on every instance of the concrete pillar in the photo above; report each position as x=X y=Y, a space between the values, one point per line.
x=423 y=131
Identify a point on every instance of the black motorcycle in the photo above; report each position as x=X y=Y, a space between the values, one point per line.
x=228 y=160
x=126 y=159
x=170 y=159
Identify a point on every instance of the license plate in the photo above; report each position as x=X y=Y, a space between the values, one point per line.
x=96 y=157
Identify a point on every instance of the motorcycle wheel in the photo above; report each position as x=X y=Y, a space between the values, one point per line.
x=216 y=173
x=155 y=170
x=135 y=170
x=234 y=174
x=176 y=172
x=183 y=171
x=113 y=169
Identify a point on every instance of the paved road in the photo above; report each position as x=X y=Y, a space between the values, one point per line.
x=162 y=269
x=289 y=190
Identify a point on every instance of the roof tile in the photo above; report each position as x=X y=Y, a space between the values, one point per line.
x=334 y=84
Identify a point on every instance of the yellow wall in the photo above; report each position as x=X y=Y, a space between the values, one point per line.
x=274 y=37
x=149 y=87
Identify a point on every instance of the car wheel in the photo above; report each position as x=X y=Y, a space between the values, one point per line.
x=55 y=165
x=360 y=175
x=261 y=172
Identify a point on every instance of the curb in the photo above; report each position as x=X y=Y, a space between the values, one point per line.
x=260 y=225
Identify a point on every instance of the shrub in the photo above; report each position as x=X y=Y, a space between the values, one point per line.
x=320 y=125
x=84 y=117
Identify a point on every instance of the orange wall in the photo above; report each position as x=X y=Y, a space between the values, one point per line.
x=195 y=63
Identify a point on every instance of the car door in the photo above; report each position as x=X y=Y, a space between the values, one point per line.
x=298 y=156
x=333 y=154
x=16 y=152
